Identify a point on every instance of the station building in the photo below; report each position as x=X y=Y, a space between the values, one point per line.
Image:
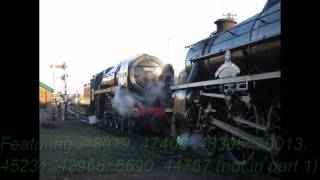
x=45 y=94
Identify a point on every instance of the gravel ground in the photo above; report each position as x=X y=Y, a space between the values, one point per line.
x=75 y=150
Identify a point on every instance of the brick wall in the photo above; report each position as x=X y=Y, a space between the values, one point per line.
x=45 y=96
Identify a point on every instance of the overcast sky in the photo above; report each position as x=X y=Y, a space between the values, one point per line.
x=91 y=35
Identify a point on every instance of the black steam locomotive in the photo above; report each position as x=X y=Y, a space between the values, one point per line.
x=230 y=87
x=133 y=94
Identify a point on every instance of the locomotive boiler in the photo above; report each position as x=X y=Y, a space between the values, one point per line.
x=132 y=94
x=231 y=88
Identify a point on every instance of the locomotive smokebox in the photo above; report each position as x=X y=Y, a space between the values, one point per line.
x=224 y=24
x=144 y=72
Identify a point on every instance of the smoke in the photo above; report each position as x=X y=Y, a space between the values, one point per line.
x=124 y=100
x=188 y=139
x=154 y=94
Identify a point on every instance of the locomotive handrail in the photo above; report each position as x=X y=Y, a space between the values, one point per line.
x=269 y=75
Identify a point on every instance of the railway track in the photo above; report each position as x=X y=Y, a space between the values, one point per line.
x=176 y=154
x=78 y=114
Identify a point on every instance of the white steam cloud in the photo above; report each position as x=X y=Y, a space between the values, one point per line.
x=152 y=95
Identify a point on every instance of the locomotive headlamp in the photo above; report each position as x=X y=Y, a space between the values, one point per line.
x=135 y=112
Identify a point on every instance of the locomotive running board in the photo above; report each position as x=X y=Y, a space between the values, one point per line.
x=240 y=133
x=269 y=75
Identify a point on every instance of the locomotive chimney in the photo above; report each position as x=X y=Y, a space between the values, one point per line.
x=225 y=23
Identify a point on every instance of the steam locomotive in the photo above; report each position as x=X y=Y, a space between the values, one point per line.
x=230 y=87
x=133 y=94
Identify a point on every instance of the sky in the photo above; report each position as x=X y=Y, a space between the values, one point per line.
x=92 y=35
